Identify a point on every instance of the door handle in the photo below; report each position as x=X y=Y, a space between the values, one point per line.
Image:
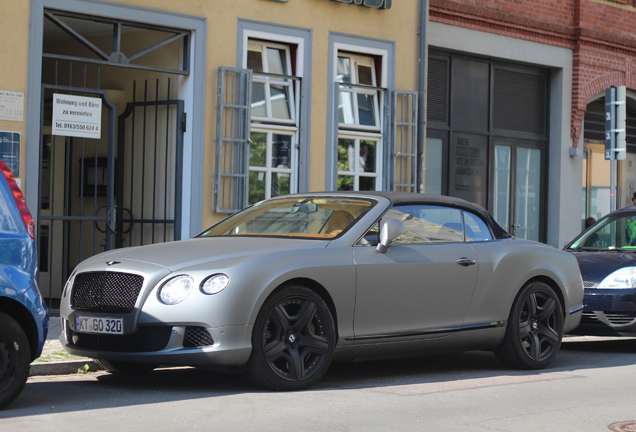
x=466 y=262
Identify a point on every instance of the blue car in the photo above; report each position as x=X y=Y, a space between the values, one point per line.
x=606 y=253
x=23 y=315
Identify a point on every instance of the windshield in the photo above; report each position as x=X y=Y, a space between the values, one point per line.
x=616 y=232
x=307 y=217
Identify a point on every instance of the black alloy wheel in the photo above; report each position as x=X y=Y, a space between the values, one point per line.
x=293 y=340
x=535 y=328
x=15 y=359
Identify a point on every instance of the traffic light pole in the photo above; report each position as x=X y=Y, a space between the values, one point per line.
x=615 y=138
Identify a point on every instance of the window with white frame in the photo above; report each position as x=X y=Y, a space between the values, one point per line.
x=359 y=123
x=272 y=91
x=358 y=164
x=357 y=105
x=274 y=128
x=271 y=166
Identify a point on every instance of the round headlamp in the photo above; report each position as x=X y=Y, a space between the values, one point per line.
x=215 y=283
x=176 y=290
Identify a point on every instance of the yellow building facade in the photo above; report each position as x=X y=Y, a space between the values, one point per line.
x=144 y=121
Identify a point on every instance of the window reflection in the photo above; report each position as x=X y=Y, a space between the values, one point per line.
x=357 y=164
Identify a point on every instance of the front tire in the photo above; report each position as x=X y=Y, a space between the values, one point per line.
x=293 y=340
x=535 y=328
x=15 y=359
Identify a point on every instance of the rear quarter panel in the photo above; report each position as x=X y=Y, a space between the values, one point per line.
x=505 y=266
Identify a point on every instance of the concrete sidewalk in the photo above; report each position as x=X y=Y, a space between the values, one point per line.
x=54 y=359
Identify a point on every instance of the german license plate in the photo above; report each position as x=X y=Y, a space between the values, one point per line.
x=84 y=324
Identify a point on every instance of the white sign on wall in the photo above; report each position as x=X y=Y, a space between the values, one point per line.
x=11 y=105
x=77 y=116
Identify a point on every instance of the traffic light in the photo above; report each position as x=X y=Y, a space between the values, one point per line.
x=615 y=117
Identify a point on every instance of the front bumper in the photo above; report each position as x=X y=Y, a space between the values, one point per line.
x=608 y=312
x=166 y=344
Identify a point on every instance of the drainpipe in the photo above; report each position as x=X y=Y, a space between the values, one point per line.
x=421 y=96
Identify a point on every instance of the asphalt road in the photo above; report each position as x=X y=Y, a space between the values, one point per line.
x=589 y=387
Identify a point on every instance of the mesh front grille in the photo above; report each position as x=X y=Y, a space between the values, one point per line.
x=196 y=337
x=145 y=339
x=106 y=292
x=587 y=284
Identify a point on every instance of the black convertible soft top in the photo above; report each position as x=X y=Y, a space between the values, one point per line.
x=406 y=198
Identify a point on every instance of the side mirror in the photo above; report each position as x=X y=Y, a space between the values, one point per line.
x=391 y=230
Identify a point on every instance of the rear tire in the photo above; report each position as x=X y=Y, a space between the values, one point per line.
x=121 y=367
x=15 y=359
x=535 y=328
x=293 y=340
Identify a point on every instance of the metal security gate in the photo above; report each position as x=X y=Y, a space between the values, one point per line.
x=121 y=190
x=149 y=165
x=76 y=211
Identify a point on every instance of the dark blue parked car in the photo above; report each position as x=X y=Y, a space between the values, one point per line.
x=606 y=253
x=23 y=315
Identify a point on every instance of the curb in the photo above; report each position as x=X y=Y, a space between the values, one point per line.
x=62 y=367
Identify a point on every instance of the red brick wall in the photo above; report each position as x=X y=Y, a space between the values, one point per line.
x=601 y=34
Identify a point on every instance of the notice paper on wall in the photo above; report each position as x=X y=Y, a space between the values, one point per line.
x=11 y=105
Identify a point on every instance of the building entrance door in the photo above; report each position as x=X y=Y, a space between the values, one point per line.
x=123 y=188
x=518 y=189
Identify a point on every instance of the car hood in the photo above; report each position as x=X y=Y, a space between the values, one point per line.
x=192 y=252
x=595 y=266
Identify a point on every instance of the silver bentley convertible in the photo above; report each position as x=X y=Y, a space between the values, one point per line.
x=279 y=290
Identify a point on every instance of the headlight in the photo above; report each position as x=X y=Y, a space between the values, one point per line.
x=176 y=290
x=621 y=278
x=215 y=283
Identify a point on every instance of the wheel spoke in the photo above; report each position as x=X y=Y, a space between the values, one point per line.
x=534 y=350
x=281 y=317
x=305 y=315
x=315 y=344
x=274 y=349
x=296 y=365
x=547 y=310
x=532 y=306
x=549 y=335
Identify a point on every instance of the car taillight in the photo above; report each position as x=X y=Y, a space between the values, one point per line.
x=20 y=202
